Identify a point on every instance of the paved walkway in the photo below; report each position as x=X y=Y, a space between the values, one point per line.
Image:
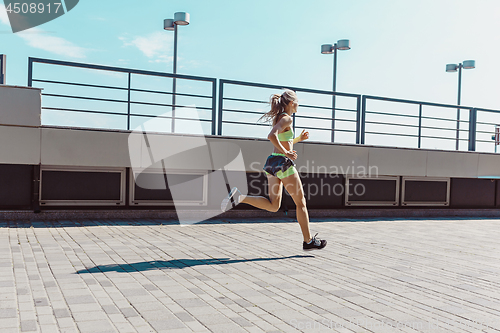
x=251 y=276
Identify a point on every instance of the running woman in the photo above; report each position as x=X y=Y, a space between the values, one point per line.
x=280 y=168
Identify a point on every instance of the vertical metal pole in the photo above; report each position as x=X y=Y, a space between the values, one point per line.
x=358 y=119
x=174 y=81
x=221 y=105
x=472 y=129
x=363 y=120
x=419 y=124
x=3 y=66
x=334 y=89
x=128 y=102
x=30 y=72
x=214 y=105
x=458 y=103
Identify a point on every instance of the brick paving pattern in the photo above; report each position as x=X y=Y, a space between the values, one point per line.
x=440 y=275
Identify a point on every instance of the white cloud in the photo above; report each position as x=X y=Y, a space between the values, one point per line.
x=3 y=15
x=157 y=46
x=37 y=38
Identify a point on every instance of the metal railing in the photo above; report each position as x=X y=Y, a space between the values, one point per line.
x=417 y=124
x=127 y=88
x=3 y=66
x=250 y=106
x=363 y=119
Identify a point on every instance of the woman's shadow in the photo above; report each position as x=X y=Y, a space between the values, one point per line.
x=173 y=264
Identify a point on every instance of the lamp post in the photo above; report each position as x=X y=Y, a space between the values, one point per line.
x=343 y=44
x=467 y=64
x=180 y=18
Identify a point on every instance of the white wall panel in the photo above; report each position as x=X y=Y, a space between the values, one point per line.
x=452 y=164
x=84 y=148
x=489 y=165
x=334 y=158
x=398 y=162
x=19 y=145
x=20 y=106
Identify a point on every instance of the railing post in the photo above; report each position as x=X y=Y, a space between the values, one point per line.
x=221 y=101
x=358 y=119
x=3 y=66
x=419 y=124
x=128 y=102
x=214 y=104
x=30 y=72
x=333 y=113
x=472 y=129
x=363 y=120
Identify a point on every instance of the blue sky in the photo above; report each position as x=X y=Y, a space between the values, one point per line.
x=399 y=48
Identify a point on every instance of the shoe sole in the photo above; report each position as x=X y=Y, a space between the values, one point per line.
x=225 y=202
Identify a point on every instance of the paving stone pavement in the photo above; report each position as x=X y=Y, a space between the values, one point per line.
x=421 y=275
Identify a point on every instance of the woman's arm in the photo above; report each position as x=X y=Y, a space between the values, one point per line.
x=273 y=136
x=303 y=136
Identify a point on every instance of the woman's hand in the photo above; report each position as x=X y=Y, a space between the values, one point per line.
x=304 y=135
x=291 y=154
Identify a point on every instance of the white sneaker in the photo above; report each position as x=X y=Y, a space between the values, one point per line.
x=226 y=203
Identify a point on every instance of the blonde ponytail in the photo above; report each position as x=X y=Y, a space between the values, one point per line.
x=278 y=103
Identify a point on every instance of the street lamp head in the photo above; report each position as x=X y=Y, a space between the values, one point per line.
x=326 y=49
x=168 y=24
x=344 y=44
x=451 y=68
x=181 y=18
x=469 y=64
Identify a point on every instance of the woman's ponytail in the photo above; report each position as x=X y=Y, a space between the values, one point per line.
x=278 y=103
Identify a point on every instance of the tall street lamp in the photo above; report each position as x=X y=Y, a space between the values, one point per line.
x=180 y=18
x=467 y=64
x=343 y=44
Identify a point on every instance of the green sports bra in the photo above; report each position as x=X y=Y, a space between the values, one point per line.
x=285 y=136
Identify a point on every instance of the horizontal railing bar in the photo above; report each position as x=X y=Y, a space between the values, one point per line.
x=85 y=111
x=446 y=119
x=391 y=114
x=244 y=100
x=273 y=86
x=416 y=136
x=326 y=129
x=487 y=110
x=416 y=102
x=86 y=98
x=307 y=127
x=169 y=117
x=301 y=105
x=426 y=127
x=120 y=114
x=296 y=115
x=389 y=124
x=79 y=84
x=120 y=70
x=176 y=105
x=168 y=93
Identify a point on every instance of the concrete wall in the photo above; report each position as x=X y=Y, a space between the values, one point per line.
x=20 y=106
x=82 y=147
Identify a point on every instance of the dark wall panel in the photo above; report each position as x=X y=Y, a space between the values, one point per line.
x=472 y=193
x=80 y=185
x=425 y=191
x=15 y=186
x=372 y=190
